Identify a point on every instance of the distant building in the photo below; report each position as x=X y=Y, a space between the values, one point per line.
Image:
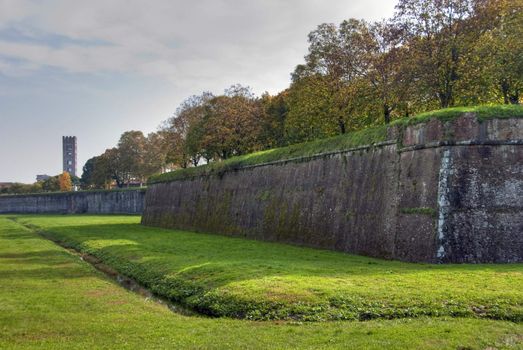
x=6 y=184
x=69 y=154
x=42 y=177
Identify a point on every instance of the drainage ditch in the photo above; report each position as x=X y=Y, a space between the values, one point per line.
x=123 y=281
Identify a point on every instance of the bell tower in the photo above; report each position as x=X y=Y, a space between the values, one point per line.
x=69 y=154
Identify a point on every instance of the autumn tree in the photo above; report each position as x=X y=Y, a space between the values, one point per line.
x=131 y=153
x=496 y=59
x=311 y=110
x=335 y=57
x=231 y=124
x=154 y=154
x=108 y=167
x=386 y=67
x=176 y=129
x=435 y=32
x=275 y=112
x=64 y=180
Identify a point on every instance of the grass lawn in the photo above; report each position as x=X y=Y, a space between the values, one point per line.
x=233 y=277
x=50 y=299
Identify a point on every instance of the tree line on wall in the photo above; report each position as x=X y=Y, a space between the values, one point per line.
x=63 y=182
x=431 y=54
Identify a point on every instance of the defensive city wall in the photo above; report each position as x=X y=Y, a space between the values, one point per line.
x=92 y=202
x=440 y=191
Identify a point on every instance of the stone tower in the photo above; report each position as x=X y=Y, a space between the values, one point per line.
x=69 y=154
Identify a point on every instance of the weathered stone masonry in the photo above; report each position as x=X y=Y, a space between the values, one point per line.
x=92 y=202
x=435 y=192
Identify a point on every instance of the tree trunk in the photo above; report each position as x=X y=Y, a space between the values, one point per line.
x=514 y=98
x=341 y=124
x=386 y=113
x=504 y=90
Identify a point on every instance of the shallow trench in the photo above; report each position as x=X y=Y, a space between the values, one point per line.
x=121 y=280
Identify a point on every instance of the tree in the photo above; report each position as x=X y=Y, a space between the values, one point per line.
x=112 y=165
x=311 y=110
x=499 y=49
x=65 y=182
x=20 y=188
x=87 y=181
x=387 y=66
x=155 y=154
x=52 y=184
x=176 y=130
x=231 y=124
x=131 y=153
x=435 y=33
x=275 y=110
x=102 y=174
x=107 y=168
x=336 y=72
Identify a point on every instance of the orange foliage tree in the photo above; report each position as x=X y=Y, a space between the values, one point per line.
x=65 y=182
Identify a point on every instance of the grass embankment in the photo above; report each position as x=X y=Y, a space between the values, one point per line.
x=363 y=137
x=50 y=299
x=306 y=149
x=223 y=276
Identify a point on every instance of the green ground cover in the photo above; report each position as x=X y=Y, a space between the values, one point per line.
x=50 y=299
x=482 y=112
x=234 y=277
x=61 y=193
x=367 y=136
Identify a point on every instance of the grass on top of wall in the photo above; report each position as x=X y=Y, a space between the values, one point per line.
x=347 y=141
x=331 y=144
x=234 y=277
x=50 y=299
x=62 y=193
x=482 y=113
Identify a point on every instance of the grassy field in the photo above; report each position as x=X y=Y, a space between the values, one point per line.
x=358 y=138
x=233 y=277
x=50 y=299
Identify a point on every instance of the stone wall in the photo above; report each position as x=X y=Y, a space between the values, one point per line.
x=92 y=202
x=461 y=192
x=435 y=192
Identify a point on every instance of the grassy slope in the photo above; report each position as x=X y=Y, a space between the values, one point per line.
x=50 y=299
x=225 y=276
x=337 y=143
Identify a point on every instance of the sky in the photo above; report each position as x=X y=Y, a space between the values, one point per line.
x=94 y=69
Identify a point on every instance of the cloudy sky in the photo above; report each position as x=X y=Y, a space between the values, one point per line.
x=96 y=68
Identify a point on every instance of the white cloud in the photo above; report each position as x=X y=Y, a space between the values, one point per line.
x=176 y=40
